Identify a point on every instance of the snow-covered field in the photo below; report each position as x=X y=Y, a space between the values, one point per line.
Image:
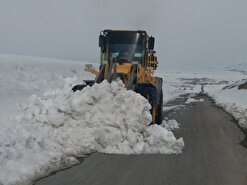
x=181 y=81
x=232 y=100
x=53 y=125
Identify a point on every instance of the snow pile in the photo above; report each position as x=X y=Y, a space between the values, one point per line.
x=192 y=100
x=170 y=124
x=27 y=152
x=116 y=119
x=54 y=129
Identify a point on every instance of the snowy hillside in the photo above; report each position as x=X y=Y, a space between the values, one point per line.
x=55 y=125
x=21 y=76
x=242 y=68
x=240 y=84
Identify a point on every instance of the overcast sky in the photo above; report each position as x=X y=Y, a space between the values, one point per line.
x=188 y=32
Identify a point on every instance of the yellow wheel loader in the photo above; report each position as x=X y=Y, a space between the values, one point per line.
x=130 y=56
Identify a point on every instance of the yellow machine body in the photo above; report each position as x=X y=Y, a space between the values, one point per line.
x=136 y=70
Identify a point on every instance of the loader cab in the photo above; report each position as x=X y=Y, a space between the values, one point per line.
x=124 y=46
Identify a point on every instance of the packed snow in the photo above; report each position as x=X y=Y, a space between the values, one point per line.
x=55 y=125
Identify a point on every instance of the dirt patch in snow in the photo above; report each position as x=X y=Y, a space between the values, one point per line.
x=243 y=86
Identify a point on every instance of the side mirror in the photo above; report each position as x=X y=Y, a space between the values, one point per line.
x=151 y=43
x=101 y=41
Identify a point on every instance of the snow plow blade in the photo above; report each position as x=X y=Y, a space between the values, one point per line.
x=81 y=86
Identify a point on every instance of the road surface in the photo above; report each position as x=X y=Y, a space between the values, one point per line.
x=212 y=156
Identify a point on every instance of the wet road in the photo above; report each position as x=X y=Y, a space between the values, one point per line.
x=212 y=156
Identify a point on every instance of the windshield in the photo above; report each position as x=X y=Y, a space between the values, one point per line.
x=125 y=46
x=128 y=52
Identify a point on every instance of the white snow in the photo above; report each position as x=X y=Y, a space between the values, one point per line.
x=56 y=125
x=174 y=86
x=170 y=124
x=106 y=113
x=174 y=107
x=193 y=100
x=232 y=100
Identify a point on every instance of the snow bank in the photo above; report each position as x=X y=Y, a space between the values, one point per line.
x=239 y=113
x=232 y=100
x=54 y=129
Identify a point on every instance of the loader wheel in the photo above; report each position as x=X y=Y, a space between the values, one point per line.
x=159 y=117
x=78 y=87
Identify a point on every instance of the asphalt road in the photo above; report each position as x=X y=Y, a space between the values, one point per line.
x=212 y=156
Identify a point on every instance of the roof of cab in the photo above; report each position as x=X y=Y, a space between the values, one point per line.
x=135 y=31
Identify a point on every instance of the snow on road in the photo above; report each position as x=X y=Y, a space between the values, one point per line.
x=55 y=125
x=193 y=100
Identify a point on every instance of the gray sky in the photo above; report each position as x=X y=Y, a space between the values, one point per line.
x=188 y=32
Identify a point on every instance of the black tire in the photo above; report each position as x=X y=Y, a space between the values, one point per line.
x=159 y=116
